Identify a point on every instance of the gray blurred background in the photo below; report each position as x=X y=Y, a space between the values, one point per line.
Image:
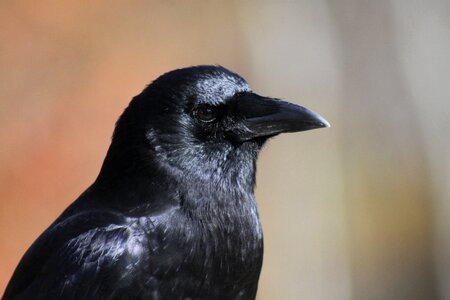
x=357 y=211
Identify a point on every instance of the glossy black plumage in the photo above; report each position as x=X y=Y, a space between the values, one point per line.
x=172 y=214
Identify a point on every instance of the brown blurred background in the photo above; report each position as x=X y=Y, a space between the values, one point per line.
x=357 y=211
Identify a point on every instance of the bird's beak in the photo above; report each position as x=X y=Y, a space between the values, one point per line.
x=265 y=117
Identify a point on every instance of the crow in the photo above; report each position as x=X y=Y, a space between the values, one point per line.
x=172 y=213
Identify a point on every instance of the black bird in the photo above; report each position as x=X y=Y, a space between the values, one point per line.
x=172 y=214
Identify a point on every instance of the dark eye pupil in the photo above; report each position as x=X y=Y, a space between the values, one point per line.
x=205 y=114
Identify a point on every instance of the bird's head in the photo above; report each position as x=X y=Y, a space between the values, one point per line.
x=205 y=122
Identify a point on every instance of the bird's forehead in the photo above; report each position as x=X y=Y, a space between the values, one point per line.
x=217 y=89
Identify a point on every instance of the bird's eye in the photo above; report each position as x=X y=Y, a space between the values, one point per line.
x=205 y=114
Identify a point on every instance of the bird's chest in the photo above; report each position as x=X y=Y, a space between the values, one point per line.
x=227 y=242
x=220 y=253
x=231 y=242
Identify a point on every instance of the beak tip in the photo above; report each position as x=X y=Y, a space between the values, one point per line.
x=322 y=122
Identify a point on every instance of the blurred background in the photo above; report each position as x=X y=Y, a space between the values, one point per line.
x=357 y=211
